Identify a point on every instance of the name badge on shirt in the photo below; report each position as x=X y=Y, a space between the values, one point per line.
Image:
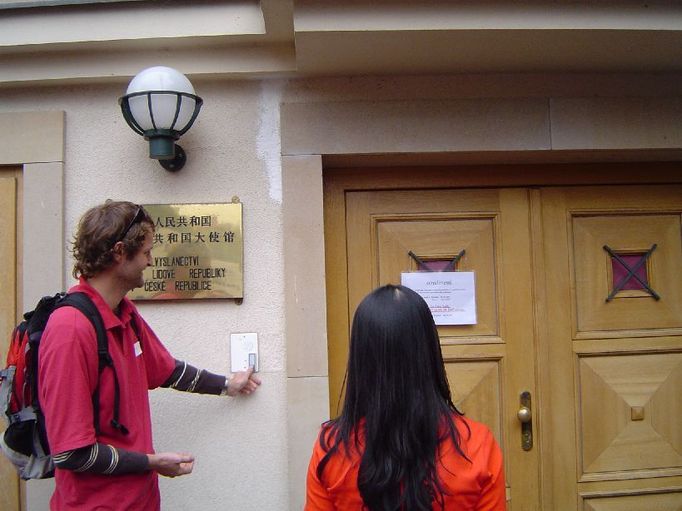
x=138 y=349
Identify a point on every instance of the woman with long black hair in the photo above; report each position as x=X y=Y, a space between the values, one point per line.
x=400 y=444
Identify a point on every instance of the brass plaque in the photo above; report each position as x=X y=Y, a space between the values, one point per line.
x=198 y=253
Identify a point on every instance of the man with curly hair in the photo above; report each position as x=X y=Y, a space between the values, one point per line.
x=110 y=463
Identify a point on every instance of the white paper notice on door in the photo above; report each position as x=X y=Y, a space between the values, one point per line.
x=451 y=295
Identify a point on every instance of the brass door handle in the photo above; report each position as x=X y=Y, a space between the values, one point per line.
x=525 y=416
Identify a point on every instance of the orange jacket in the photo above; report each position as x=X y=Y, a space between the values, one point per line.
x=477 y=485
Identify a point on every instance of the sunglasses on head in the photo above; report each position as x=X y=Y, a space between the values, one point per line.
x=139 y=216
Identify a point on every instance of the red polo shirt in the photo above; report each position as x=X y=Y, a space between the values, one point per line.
x=68 y=376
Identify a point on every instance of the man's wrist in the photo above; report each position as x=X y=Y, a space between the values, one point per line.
x=224 y=392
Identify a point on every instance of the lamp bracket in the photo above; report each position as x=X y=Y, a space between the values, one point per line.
x=176 y=163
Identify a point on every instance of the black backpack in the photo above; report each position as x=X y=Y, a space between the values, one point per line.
x=25 y=439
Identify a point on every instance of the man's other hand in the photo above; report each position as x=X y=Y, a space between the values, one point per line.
x=171 y=464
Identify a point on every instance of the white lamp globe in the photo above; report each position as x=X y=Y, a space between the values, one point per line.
x=161 y=80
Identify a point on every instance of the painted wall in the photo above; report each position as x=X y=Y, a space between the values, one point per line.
x=233 y=150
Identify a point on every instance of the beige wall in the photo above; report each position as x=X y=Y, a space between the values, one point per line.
x=240 y=444
x=252 y=453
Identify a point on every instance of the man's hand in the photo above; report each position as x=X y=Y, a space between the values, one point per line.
x=244 y=382
x=171 y=464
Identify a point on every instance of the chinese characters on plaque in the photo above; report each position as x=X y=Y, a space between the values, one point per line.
x=451 y=295
x=197 y=253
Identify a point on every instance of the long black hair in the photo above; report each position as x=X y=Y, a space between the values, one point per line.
x=398 y=388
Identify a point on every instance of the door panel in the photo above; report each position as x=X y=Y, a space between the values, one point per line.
x=382 y=227
x=9 y=482
x=665 y=501
x=476 y=387
x=625 y=420
x=616 y=351
x=441 y=238
x=594 y=272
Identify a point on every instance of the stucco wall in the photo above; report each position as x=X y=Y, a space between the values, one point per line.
x=233 y=150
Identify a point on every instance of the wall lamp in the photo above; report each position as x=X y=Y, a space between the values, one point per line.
x=160 y=105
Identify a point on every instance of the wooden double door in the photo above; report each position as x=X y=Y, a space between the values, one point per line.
x=579 y=305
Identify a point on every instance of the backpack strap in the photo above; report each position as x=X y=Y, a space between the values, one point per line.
x=83 y=303
x=6 y=386
x=18 y=397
